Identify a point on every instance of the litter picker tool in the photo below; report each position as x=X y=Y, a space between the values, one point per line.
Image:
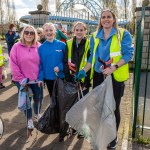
x=72 y=67
x=29 y=131
x=105 y=64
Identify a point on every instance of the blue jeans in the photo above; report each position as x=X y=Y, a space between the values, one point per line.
x=37 y=98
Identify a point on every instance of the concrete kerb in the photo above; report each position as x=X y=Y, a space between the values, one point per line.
x=124 y=145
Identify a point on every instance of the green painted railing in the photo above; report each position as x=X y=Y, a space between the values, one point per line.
x=137 y=75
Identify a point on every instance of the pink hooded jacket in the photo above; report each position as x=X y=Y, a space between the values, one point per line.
x=24 y=62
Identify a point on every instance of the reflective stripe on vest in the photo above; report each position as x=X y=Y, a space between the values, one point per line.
x=96 y=42
x=122 y=73
x=1 y=57
x=84 y=57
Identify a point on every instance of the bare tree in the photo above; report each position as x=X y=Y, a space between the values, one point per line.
x=1 y=17
x=58 y=2
x=126 y=4
x=111 y=4
x=10 y=12
x=44 y=4
x=7 y=3
x=132 y=23
x=13 y=12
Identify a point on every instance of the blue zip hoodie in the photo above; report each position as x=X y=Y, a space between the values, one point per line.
x=51 y=55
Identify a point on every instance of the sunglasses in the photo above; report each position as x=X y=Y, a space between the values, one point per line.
x=29 y=32
x=104 y=17
x=79 y=30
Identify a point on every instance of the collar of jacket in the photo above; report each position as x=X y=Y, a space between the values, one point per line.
x=100 y=33
x=33 y=46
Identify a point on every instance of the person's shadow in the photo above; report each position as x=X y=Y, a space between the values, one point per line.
x=15 y=141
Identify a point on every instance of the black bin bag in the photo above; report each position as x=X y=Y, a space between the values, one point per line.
x=64 y=96
x=48 y=123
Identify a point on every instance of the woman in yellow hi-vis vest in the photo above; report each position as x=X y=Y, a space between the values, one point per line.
x=1 y=67
x=77 y=53
x=110 y=43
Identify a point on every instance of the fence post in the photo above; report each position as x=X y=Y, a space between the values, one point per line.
x=138 y=59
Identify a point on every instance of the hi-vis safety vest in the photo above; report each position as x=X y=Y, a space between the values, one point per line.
x=122 y=73
x=1 y=57
x=84 y=57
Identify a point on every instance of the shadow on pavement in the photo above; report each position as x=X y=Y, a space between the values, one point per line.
x=15 y=140
x=78 y=144
x=37 y=143
x=9 y=105
x=54 y=144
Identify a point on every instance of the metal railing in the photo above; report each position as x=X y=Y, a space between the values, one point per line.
x=141 y=99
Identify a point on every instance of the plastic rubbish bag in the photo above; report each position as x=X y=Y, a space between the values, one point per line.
x=48 y=123
x=24 y=102
x=64 y=95
x=93 y=116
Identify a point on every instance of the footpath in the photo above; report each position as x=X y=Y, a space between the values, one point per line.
x=15 y=136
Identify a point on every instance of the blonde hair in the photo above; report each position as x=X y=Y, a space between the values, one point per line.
x=34 y=42
x=49 y=24
x=39 y=30
x=79 y=23
x=115 y=25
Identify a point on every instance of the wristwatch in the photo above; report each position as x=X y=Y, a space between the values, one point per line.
x=116 y=66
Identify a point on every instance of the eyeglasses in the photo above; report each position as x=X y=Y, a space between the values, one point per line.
x=104 y=17
x=29 y=32
x=79 y=30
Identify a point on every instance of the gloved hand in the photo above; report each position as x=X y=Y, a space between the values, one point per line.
x=81 y=74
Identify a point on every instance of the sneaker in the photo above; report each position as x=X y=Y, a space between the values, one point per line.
x=80 y=136
x=113 y=144
x=37 y=117
x=13 y=83
x=2 y=86
x=74 y=132
x=61 y=138
x=30 y=124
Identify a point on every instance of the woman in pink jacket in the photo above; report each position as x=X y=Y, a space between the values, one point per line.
x=24 y=63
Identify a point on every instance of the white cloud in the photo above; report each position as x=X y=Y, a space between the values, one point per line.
x=24 y=6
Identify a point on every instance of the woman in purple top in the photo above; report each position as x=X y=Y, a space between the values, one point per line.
x=24 y=63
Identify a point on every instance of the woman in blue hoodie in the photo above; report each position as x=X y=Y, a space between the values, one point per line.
x=51 y=54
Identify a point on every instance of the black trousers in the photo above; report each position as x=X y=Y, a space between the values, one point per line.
x=118 y=90
x=49 y=84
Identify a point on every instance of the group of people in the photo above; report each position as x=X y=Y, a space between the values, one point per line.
x=41 y=62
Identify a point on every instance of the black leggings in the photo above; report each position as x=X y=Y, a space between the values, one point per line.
x=118 y=89
x=49 y=84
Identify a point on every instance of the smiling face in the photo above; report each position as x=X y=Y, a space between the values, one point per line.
x=49 y=32
x=107 y=20
x=28 y=35
x=79 y=31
